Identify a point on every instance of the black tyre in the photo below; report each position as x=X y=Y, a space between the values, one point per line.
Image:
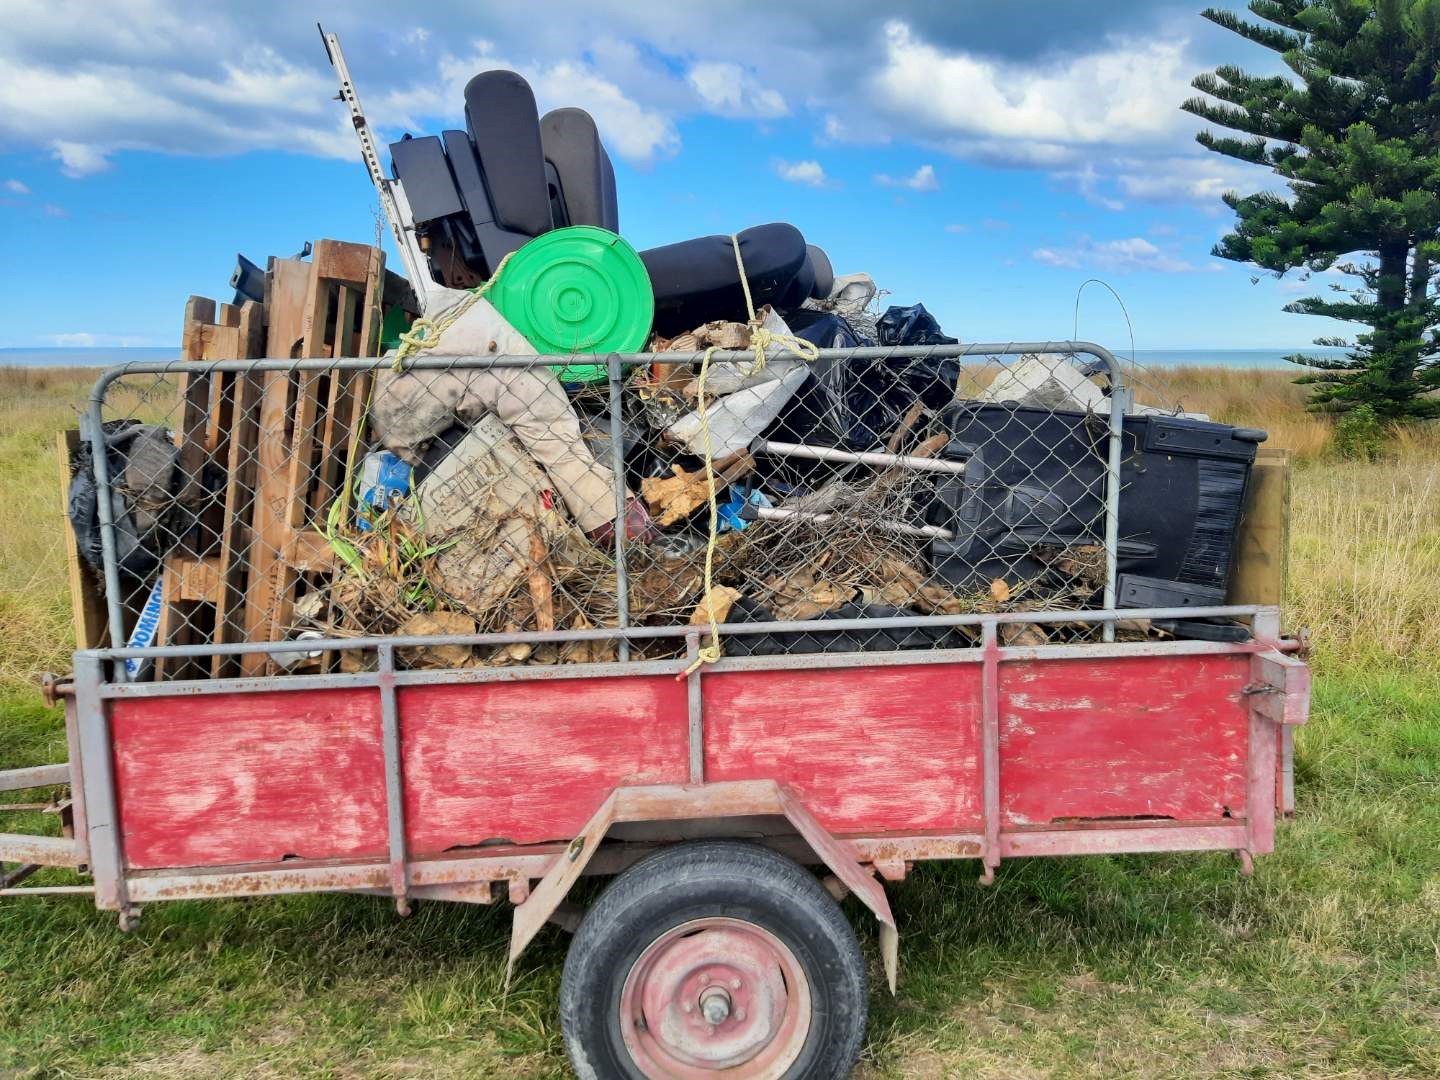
x=714 y=958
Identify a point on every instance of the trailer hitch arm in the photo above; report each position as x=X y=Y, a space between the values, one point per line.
x=675 y=802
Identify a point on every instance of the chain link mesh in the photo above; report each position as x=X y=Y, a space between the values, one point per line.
x=470 y=496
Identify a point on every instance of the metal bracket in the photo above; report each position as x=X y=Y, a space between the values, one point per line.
x=1280 y=691
x=673 y=802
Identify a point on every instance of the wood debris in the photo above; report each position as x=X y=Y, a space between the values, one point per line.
x=671 y=499
x=714 y=606
x=437 y=624
x=1022 y=634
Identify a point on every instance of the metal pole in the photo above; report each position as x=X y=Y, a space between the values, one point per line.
x=781 y=513
x=826 y=453
x=105 y=507
x=1119 y=402
x=394 y=780
x=695 y=709
x=990 y=749
x=617 y=465
x=107 y=864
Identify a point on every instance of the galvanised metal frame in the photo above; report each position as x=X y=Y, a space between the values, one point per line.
x=616 y=365
x=467 y=875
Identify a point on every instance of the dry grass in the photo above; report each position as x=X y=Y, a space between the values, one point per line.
x=1365 y=552
x=1365 y=536
x=1251 y=397
x=1322 y=965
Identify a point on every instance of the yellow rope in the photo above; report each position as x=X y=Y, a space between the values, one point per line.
x=760 y=337
x=425 y=333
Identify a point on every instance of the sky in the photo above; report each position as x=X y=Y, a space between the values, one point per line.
x=984 y=157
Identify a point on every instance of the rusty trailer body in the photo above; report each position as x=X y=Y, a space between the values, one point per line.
x=441 y=784
x=492 y=784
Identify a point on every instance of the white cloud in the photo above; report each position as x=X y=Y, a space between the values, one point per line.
x=1192 y=179
x=637 y=134
x=17 y=187
x=1125 y=256
x=226 y=78
x=84 y=339
x=958 y=227
x=78 y=159
x=802 y=172
x=729 y=90
x=1125 y=93
x=1087 y=179
x=922 y=179
x=229 y=94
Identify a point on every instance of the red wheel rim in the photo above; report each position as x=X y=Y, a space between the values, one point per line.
x=715 y=997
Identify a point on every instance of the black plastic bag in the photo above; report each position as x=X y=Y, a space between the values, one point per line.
x=144 y=472
x=820 y=640
x=883 y=390
x=910 y=326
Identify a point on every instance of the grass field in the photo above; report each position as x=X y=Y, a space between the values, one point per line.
x=1325 y=964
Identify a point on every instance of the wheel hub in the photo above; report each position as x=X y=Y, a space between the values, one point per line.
x=714 y=994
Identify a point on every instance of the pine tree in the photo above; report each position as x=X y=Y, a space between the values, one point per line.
x=1355 y=133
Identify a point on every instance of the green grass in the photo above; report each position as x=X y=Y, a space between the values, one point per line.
x=1325 y=964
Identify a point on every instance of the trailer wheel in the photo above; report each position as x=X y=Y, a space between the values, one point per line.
x=714 y=958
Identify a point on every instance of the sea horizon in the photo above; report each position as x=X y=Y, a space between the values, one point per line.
x=1186 y=356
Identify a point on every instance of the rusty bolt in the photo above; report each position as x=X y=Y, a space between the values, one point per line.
x=715 y=1006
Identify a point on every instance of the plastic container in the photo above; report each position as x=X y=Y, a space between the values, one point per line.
x=577 y=290
x=384 y=479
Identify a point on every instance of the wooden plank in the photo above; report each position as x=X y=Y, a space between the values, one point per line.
x=241 y=465
x=220 y=343
x=196 y=579
x=551 y=755
x=87 y=593
x=309 y=551
x=193 y=432
x=228 y=778
x=339 y=260
x=1263 y=547
x=369 y=345
x=883 y=748
x=1122 y=738
x=352 y=404
x=329 y=458
x=287 y=285
x=306 y=416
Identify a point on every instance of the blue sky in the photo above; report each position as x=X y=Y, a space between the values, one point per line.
x=985 y=158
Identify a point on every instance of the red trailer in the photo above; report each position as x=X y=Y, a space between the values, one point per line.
x=712 y=950
x=711 y=790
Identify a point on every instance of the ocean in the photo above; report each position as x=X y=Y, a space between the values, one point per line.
x=1239 y=358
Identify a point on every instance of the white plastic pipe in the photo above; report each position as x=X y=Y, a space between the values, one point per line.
x=827 y=453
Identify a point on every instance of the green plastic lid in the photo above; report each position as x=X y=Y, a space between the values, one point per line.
x=577 y=290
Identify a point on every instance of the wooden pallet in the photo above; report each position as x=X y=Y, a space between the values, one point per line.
x=309 y=422
x=214 y=428
x=280 y=440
